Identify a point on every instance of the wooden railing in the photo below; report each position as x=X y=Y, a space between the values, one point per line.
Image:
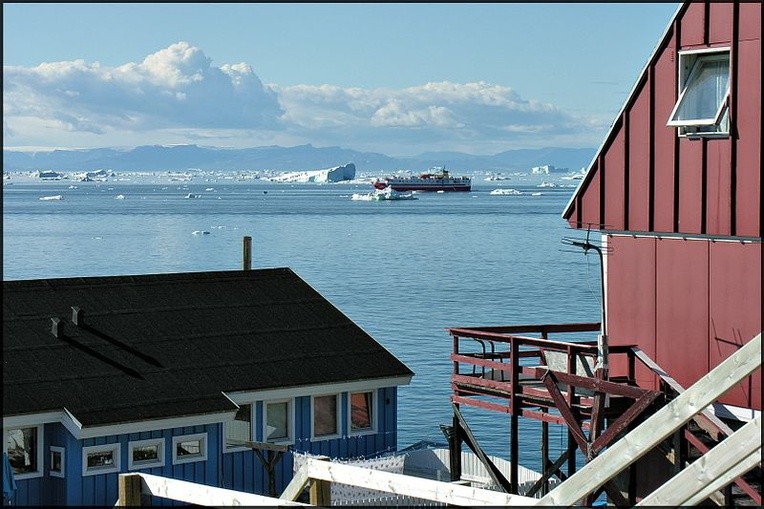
x=730 y=459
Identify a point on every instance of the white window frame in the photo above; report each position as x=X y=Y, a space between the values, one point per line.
x=115 y=449
x=132 y=464
x=57 y=473
x=235 y=448
x=337 y=415
x=202 y=456
x=40 y=450
x=373 y=423
x=688 y=67
x=290 y=422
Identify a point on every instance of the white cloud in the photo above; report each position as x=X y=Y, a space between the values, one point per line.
x=176 y=94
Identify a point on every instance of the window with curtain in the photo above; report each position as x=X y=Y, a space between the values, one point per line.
x=361 y=411
x=705 y=84
x=325 y=415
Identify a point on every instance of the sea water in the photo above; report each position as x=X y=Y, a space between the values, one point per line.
x=404 y=271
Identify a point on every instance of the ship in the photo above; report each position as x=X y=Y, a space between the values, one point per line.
x=438 y=179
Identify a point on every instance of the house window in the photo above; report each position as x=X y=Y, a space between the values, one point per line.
x=100 y=459
x=240 y=429
x=325 y=412
x=704 y=86
x=188 y=448
x=278 y=421
x=145 y=453
x=24 y=447
x=57 y=465
x=362 y=412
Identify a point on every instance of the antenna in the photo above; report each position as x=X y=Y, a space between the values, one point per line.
x=602 y=343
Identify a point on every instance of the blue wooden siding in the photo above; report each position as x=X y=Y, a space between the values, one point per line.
x=240 y=470
x=243 y=471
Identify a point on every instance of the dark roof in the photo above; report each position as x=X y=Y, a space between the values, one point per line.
x=166 y=345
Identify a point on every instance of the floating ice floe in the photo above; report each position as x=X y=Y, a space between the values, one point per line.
x=505 y=191
x=192 y=195
x=383 y=195
x=52 y=198
x=200 y=232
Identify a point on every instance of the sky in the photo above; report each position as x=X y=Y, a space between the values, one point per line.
x=399 y=79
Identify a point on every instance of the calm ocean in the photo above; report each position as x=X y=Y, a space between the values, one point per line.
x=404 y=271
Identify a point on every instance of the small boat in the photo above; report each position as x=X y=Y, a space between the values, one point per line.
x=192 y=195
x=385 y=194
x=440 y=180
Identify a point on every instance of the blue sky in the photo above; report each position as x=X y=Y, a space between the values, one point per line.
x=400 y=79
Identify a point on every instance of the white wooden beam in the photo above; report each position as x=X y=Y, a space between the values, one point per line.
x=201 y=494
x=657 y=427
x=417 y=487
x=728 y=460
x=296 y=485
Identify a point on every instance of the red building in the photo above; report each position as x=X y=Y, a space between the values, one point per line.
x=675 y=191
x=675 y=194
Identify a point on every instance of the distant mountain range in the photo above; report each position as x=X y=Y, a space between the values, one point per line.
x=299 y=158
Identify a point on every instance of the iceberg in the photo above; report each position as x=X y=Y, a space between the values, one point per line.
x=52 y=198
x=505 y=191
x=335 y=174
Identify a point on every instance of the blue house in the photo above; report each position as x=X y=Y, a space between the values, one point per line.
x=210 y=377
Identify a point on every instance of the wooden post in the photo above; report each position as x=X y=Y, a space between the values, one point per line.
x=544 y=452
x=247 y=254
x=129 y=490
x=320 y=491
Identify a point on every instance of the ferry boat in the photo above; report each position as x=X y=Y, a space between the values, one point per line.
x=440 y=181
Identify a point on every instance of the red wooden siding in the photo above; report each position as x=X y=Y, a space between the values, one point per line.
x=748 y=153
x=693 y=25
x=735 y=315
x=691 y=154
x=694 y=186
x=664 y=79
x=688 y=304
x=615 y=185
x=630 y=294
x=681 y=323
x=720 y=22
x=719 y=189
x=638 y=213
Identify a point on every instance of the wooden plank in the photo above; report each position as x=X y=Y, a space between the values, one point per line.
x=129 y=490
x=466 y=434
x=728 y=460
x=320 y=491
x=257 y=445
x=656 y=428
x=417 y=487
x=296 y=485
x=705 y=419
x=201 y=494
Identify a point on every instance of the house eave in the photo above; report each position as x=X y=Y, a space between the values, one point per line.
x=313 y=390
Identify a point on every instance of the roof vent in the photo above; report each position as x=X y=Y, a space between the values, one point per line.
x=247 y=253
x=77 y=316
x=57 y=327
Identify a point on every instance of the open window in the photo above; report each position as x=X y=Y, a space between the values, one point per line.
x=240 y=429
x=361 y=414
x=278 y=421
x=702 y=108
x=25 y=451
